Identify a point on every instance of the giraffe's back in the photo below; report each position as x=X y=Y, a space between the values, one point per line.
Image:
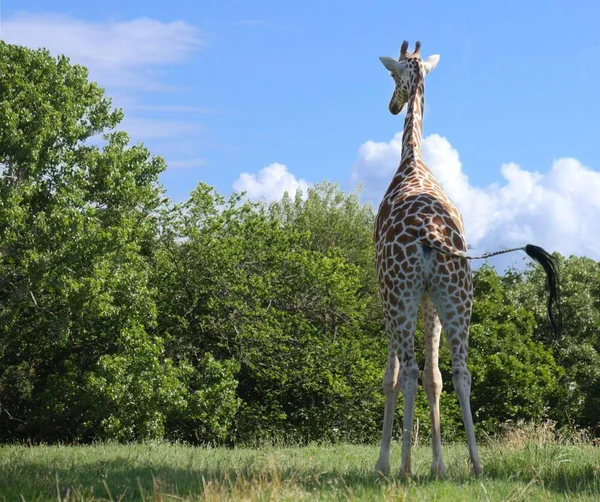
x=426 y=216
x=416 y=219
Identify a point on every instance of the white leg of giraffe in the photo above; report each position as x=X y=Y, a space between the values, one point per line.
x=409 y=375
x=461 y=378
x=391 y=388
x=401 y=374
x=432 y=382
x=453 y=302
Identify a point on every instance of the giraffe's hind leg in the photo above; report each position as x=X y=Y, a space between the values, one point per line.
x=408 y=377
x=402 y=374
x=432 y=382
x=391 y=388
x=452 y=295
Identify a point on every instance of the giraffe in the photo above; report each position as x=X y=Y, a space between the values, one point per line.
x=421 y=260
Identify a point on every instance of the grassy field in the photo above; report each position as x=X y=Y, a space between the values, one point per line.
x=164 y=472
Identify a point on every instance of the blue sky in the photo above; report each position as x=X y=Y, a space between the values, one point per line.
x=266 y=95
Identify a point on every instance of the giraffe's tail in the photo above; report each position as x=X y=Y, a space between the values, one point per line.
x=546 y=260
x=540 y=255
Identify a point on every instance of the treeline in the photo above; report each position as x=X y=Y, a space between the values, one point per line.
x=124 y=316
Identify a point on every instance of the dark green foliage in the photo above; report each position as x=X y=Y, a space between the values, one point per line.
x=125 y=317
x=514 y=376
x=248 y=284
x=78 y=359
x=578 y=349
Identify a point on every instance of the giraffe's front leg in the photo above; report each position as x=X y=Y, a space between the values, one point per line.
x=390 y=388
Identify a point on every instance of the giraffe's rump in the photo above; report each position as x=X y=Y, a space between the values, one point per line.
x=422 y=218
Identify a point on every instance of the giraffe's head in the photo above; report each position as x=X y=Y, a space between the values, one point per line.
x=405 y=71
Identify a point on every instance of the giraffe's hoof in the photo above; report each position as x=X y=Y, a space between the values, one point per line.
x=476 y=470
x=438 y=471
x=382 y=469
x=404 y=474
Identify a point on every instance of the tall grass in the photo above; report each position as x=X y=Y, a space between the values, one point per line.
x=524 y=464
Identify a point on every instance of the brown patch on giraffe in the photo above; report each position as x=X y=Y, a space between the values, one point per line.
x=457 y=241
x=388 y=282
x=413 y=221
x=405 y=238
x=382 y=218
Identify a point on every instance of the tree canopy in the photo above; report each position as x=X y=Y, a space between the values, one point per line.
x=124 y=316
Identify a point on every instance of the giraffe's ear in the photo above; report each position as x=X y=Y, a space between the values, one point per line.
x=391 y=64
x=431 y=63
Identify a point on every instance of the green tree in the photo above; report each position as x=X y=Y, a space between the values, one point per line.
x=578 y=349
x=77 y=231
x=514 y=375
x=245 y=282
x=125 y=317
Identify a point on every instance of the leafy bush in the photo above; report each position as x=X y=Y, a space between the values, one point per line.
x=124 y=316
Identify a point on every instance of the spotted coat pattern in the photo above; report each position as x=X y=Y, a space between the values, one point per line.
x=419 y=238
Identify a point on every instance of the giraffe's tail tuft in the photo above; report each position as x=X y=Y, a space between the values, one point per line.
x=546 y=260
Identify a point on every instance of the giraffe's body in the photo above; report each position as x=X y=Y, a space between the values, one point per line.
x=415 y=221
x=421 y=260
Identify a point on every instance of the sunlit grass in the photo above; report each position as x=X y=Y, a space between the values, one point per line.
x=532 y=470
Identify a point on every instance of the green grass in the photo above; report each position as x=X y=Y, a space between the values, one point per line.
x=529 y=471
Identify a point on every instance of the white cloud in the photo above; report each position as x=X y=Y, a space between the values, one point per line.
x=126 y=57
x=117 y=53
x=270 y=183
x=376 y=165
x=558 y=209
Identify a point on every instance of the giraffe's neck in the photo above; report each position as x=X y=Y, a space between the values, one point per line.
x=412 y=136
